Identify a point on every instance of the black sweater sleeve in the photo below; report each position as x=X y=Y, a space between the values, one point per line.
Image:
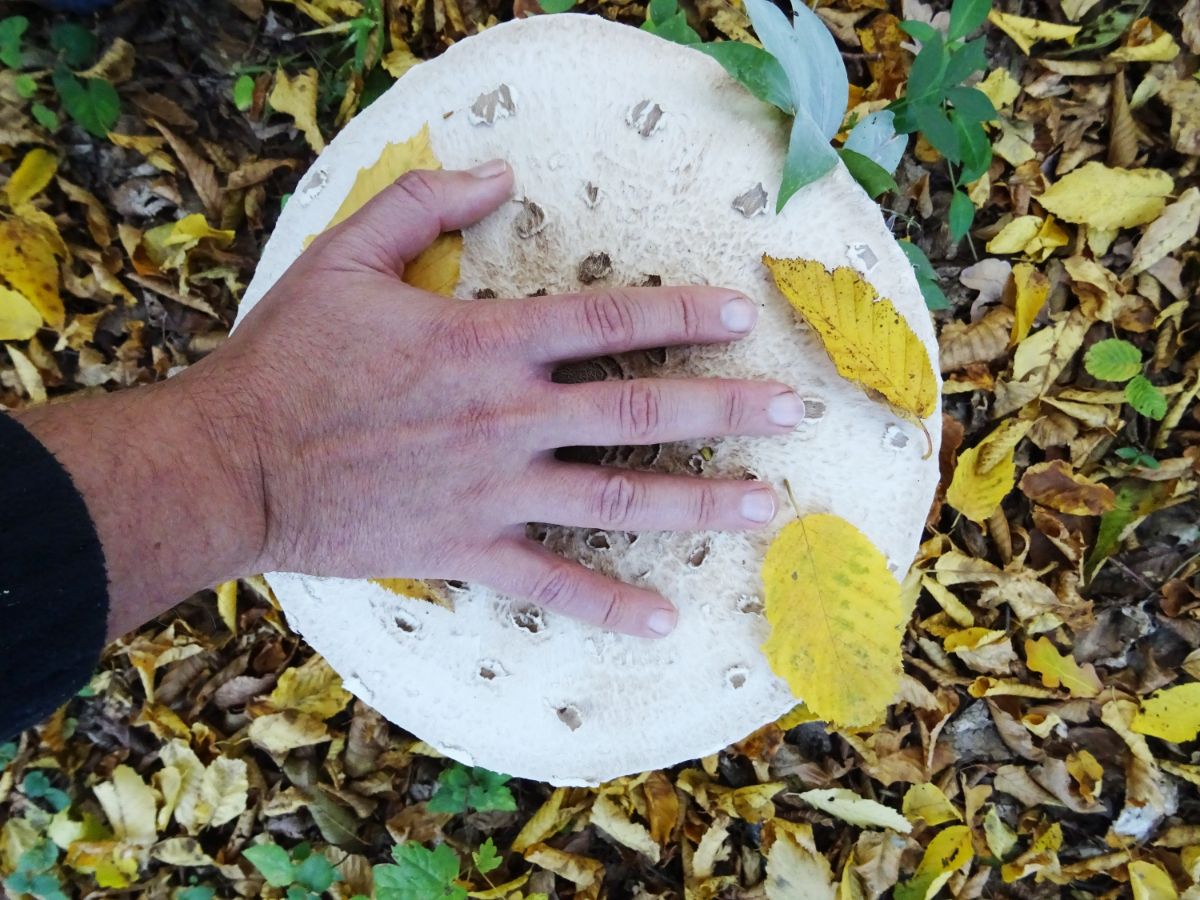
x=53 y=583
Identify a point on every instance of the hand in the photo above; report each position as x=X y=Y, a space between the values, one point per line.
x=371 y=429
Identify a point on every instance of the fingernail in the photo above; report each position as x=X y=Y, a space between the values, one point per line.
x=489 y=169
x=758 y=506
x=662 y=621
x=738 y=314
x=786 y=410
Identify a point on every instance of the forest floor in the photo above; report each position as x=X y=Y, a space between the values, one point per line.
x=1024 y=746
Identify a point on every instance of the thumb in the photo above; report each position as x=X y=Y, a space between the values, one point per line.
x=406 y=216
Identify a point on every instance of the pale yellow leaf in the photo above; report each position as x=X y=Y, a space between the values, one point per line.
x=1172 y=714
x=297 y=97
x=544 y=823
x=227 y=604
x=927 y=803
x=313 y=688
x=129 y=805
x=1146 y=42
x=181 y=851
x=280 y=733
x=1000 y=87
x=836 y=619
x=1016 y=235
x=978 y=494
x=1026 y=32
x=1032 y=289
x=867 y=339
x=1000 y=838
x=1058 y=670
x=1175 y=227
x=858 y=811
x=579 y=870
x=28 y=265
x=436 y=269
x=1107 y=198
x=36 y=170
x=27 y=374
x=225 y=790
x=612 y=821
x=1150 y=882
x=19 y=319
x=949 y=851
x=796 y=871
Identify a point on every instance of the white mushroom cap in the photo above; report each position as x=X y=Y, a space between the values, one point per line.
x=648 y=152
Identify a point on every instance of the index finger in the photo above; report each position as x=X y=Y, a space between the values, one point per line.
x=586 y=325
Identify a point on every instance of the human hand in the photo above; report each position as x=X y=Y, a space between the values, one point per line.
x=381 y=430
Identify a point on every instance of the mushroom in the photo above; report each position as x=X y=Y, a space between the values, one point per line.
x=685 y=162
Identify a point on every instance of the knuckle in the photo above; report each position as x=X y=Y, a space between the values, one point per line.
x=704 y=509
x=609 y=318
x=554 y=589
x=614 y=609
x=688 y=312
x=617 y=501
x=481 y=424
x=640 y=409
x=470 y=336
x=418 y=188
x=733 y=407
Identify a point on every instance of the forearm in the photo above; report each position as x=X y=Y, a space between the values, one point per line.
x=172 y=513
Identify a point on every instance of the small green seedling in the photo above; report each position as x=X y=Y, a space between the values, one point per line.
x=1136 y=457
x=461 y=789
x=34 y=875
x=1118 y=360
x=305 y=873
x=37 y=786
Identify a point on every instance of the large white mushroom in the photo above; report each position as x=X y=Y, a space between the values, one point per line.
x=636 y=159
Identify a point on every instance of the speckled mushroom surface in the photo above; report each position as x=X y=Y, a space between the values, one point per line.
x=636 y=160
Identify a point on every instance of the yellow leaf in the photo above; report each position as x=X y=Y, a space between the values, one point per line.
x=297 y=97
x=544 y=823
x=29 y=267
x=227 y=604
x=579 y=870
x=280 y=733
x=415 y=590
x=19 y=319
x=858 y=811
x=928 y=803
x=190 y=230
x=313 y=688
x=1087 y=772
x=1150 y=882
x=972 y=639
x=836 y=619
x=1172 y=714
x=181 y=851
x=1027 y=32
x=1000 y=838
x=1146 y=42
x=1176 y=226
x=867 y=339
x=1058 y=670
x=436 y=269
x=1032 y=289
x=31 y=177
x=130 y=806
x=975 y=493
x=1107 y=198
x=949 y=851
x=799 y=715
x=1000 y=87
x=1015 y=236
x=608 y=818
x=795 y=870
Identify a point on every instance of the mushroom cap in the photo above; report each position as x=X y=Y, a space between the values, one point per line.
x=643 y=159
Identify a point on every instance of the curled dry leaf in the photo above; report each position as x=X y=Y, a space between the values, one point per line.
x=1056 y=485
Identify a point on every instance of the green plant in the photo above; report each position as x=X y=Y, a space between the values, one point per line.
x=305 y=873
x=243 y=92
x=1118 y=360
x=927 y=276
x=1136 y=457
x=92 y=102
x=8 y=752
x=34 y=875
x=461 y=788
x=949 y=115
x=37 y=786
x=420 y=872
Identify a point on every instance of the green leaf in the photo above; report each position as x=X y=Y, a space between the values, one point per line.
x=45 y=116
x=8 y=752
x=1113 y=360
x=971 y=103
x=808 y=158
x=874 y=178
x=419 y=874
x=26 y=86
x=975 y=148
x=37 y=786
x=927 y=69
x=659 y=11
x=41 y=857
x=1135 y=499
x=196 y=893
x=91 y=102
x=12 y=30
x=755 y=69
x=969 y=58
x=1146 y=398
x=1105 y=28
x=966 y=16
x=486 y=858
x=927 y=277
x=243 y=92
x=273 y=862
x=939 y=130
x=295 y=892
x=675 y=29
x=919 y=31
x=461 y=788
x=962 y=214
x=74 y=43
x=1137 y=457
x=556 y=6
x=316 y=873
x=490 y=792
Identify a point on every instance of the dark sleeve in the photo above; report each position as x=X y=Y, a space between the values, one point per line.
x=53 y=583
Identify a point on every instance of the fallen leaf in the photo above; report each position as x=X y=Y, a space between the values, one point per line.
x=795 y=869
x=1177 y=225
x=1058 y=670
x=28 y=266
x=1056 y=485
x=1032 y=289
x=1102 y=197
x=1172 y=714
x=1145 y=42
x=314 y=689
x=962 y=344
x=927 y=803
x=608 y=818
x=867 y=339
x=19 y=319
x=280 y=733
x=1087 y=772
x=1026 y=32
x=1150 y=882
x=949 y=851
x=976 y=492
x=227 y=604
x=130 y=806
x=836 y=619
x=297 y=97
x=579 y=870
x=858 y=811
x=36 y=170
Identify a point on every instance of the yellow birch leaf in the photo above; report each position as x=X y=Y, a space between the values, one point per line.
x=29 y=267
x=1014 y=237
x=864 y=335
x=19 y=319
x=436 y=269
x=858 y=811
x=1000 y=87
x=1102 y=197
x=227 y=604
x=978 y=494
x=1087 y=772
x=949 y=851
x=544 y=823
x=280 y=733
x=130 y=805
x=297 y=97
x=32 y=175
x=1175 y=227
x=796 y=871
x=1150 y=882
x=1004 y=438
x=313 y=688
x=1146 y=41
x=225 y=790
x=579 y=870
x=836 y=619
x=1000 y=838
x=504 y=891
x=1172 y=714
x=1058 y=670
x=608 y=818
x=1032 y=288
x=415 y=590
x=1027 y=32
x=928 y=803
